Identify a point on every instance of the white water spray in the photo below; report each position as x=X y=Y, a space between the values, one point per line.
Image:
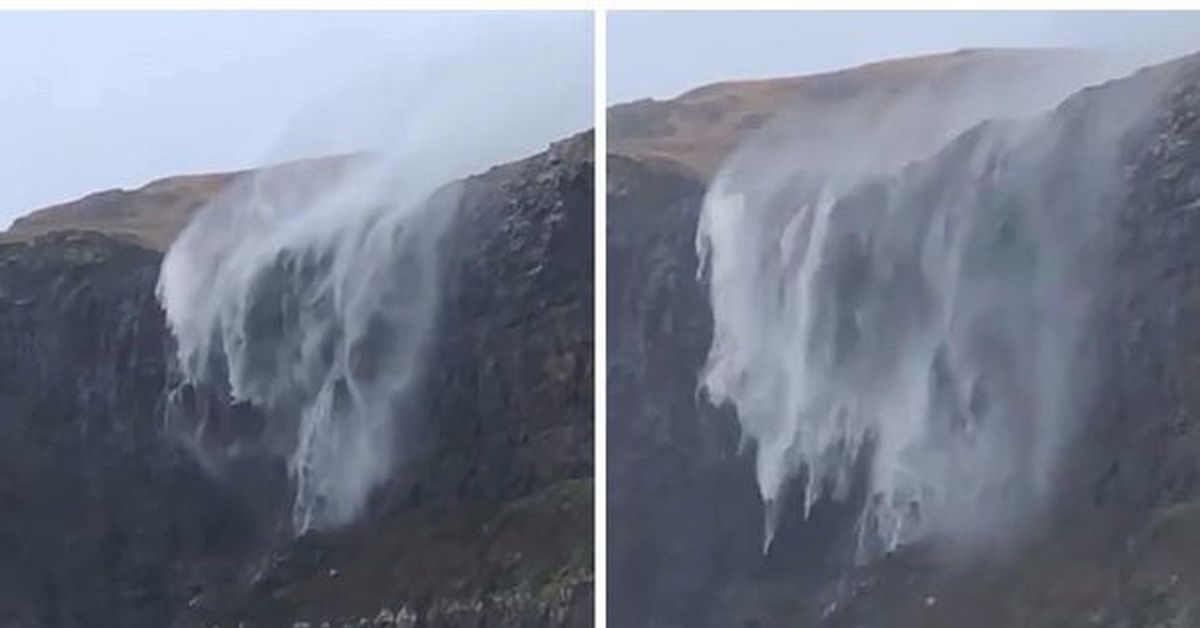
x=925 y=315
x=315 y=309
x=311 y=291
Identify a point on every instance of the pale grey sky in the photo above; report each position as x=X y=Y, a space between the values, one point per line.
x=92 y=101
x=660 y=55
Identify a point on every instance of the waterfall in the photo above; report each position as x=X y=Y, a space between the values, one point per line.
x=315 y=307
x=310 y=291
x=908 y=281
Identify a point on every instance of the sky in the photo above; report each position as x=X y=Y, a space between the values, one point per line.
x=94 y=101
x=660 y=55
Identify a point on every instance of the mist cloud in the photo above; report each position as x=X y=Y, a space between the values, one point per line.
x=311 y=291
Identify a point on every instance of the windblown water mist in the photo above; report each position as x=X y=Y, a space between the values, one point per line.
x=317 y=310
x=904 y=284
x=310 y=291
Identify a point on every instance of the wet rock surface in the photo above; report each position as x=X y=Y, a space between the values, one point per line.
x=682 y=499
x=106 y=523
x=112 y=520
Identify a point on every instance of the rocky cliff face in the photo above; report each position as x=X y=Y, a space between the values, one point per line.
x=681 y=497
x=114 y=520
x=106 y=523
x=1117 y=547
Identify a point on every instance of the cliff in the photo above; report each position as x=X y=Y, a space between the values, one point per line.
x=116 y=521
x=1114 y=547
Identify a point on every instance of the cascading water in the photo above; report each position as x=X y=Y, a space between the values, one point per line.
x=882 y=291
x=315 y=308
x=310 y=292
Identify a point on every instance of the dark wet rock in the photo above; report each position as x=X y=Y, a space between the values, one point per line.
x=682 y=501
x=106 y=523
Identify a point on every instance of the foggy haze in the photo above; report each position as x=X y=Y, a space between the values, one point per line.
x=119 y=99
x=660 y=54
